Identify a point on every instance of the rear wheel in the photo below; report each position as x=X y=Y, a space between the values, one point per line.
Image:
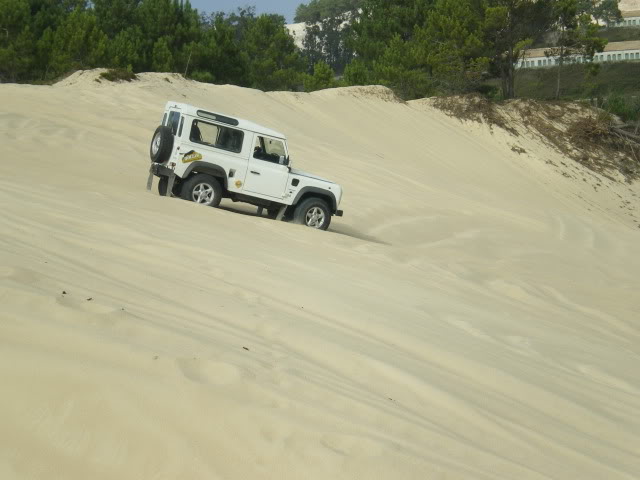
x=314 y=213
x=163 y=183
x=203 y=189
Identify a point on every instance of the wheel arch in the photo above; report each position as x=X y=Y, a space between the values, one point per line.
x=309 y=192
x=208 y=168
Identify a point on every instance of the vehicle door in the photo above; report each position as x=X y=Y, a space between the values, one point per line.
x=267 y=173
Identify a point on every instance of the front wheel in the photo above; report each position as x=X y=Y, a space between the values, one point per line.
x=314 y=213
x=203 y=189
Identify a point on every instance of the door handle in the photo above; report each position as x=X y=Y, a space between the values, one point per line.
x=255 y=173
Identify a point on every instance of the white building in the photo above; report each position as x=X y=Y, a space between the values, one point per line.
x=613 y=52
x=630 y=18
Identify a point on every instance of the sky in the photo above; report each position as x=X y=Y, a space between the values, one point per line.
x=287 y=8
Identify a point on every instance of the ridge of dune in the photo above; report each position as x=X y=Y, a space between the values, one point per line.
x=474 y=315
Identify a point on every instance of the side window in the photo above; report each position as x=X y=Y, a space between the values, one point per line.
x=174 y=120
x=230 y=139
x=216 y=136
x=268 y=149
x=202 y=132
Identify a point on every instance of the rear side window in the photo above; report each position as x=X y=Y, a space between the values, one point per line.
x=216 y=136
x=174 y=120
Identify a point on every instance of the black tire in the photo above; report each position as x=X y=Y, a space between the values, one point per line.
x=203 y=189
x=313 y=212
x=161 y=144
x=163 y=183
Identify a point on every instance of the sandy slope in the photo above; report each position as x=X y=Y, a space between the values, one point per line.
x=475 y=314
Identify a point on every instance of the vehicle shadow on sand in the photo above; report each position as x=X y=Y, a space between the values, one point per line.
x=345 y=230
x=353 y=233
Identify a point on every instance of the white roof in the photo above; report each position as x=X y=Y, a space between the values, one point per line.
x=243 y=124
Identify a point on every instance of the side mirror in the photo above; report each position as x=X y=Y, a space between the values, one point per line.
x=283 y=160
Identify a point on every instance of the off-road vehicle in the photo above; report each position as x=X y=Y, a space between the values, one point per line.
x=204 y=156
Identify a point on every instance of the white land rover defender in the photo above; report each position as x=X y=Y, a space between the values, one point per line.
x=204 y=156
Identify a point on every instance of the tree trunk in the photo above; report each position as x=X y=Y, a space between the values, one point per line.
x=507 y=76
x=512 y=79
x=505 y=81
x=560 y=64
x=558 y=81
x=510 y=67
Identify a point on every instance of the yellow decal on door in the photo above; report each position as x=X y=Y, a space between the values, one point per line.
x=191 y=156
x=238 y=183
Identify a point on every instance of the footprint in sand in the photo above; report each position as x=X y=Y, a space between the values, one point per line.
x=521 y=345
x=23 y=276
x=6 y=271
x=208 y=372
x=597 y=375
x=85 y=304
x=470 y=329
x=350 y=445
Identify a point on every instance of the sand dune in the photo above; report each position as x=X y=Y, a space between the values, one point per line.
x=474 y=315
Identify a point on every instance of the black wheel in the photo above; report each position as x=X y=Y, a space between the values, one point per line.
x=314 y=213
x=163 y=183
x=203 y=189
x=161 y=144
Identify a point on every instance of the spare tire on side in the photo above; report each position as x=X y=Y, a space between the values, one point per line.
x=161 y=144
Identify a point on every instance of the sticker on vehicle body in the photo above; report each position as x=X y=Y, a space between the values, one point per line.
x=191 y=156
x=238 y=183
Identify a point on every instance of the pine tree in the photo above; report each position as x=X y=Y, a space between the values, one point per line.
x=161 y=58
x=607 y=11
x=78 y=43
x=322 y=78
x=380 y=21
x=577 y=35
x=453 y=43
x=125 y=49
x=273 y=62
x=15 y=35
x=510 y=26
x=114 y=16
x=357 y=73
